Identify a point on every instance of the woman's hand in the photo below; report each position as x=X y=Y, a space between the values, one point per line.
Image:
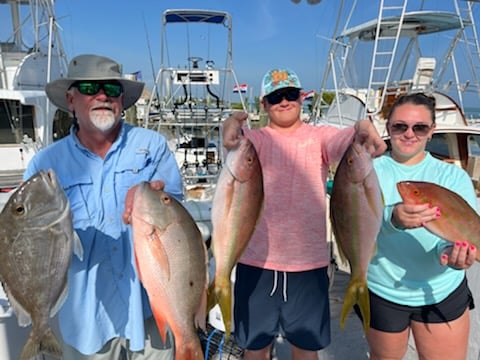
x=413 y=216
x=460 y=256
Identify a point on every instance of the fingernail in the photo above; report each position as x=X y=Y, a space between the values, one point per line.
x=464 y=244
x=472 y=247
x=437 y=214
x=457 y=243
x=445 y=257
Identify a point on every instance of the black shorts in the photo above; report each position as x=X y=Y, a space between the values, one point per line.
x=267 y=303
x=391 y=317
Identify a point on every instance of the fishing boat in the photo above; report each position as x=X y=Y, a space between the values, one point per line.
x=191 y=97
x=31 y=54
x=405 y=47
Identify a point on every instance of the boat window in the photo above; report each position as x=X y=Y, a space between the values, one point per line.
x=438 y=146
x=62 y=121
x=16 y=122
x=474 y=145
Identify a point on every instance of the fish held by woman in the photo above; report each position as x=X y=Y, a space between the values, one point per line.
x=171 y=259
x=37 y=240
x=236 y=208
x=458 y=221
x=356 y=211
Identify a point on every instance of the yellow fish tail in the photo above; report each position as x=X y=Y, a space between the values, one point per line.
x=223 y=294
x=357 y=293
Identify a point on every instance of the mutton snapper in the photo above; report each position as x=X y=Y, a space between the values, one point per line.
x=171 y=259
x=458 y=220
x=37 y=240
x=236 y=208
x=356 y=210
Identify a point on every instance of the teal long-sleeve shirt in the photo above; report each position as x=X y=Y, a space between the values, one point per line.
x=105 y=298
x=406 y=267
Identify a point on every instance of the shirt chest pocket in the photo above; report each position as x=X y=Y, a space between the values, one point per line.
x=132 y=170
x=79 y=190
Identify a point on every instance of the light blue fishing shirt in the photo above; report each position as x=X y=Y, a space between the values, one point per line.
x=406 y=268
x=105 y=298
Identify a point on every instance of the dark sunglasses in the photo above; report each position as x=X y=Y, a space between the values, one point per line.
x=93 y=87
x=277 y=96
x=418 y=129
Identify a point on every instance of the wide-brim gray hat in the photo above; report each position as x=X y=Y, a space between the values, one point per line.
x=93 y=67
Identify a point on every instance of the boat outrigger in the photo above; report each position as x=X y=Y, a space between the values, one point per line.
x=31 y=54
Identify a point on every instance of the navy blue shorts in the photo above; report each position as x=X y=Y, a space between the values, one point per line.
x=391 y=317
x=269 y=302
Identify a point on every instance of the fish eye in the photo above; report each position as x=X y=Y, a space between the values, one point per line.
x=19 y=210
x=249 y=160
x=166 y=199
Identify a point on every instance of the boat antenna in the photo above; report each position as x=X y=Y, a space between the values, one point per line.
x=150 y=52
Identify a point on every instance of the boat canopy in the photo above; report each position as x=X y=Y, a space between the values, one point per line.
x=198 y=16
x=416 y=22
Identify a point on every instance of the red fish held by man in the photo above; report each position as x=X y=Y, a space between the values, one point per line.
x=171 y=260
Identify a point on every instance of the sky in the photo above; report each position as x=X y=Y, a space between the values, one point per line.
x=266 y=34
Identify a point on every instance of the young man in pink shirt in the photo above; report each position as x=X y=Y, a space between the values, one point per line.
x=281 y=278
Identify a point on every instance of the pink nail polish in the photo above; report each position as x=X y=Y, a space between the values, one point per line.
x=457 y=243
x=472 y=247
x=445 y=257
x=464 y=244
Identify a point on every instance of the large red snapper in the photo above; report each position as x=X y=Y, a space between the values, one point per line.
x=37 y=240
x=458 y=221
x=171 y=260
x=356 y=209
x=236 y=208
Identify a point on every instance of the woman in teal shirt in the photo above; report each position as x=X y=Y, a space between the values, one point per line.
x=417 y=280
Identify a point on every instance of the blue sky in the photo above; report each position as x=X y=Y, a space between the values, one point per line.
x=266 y=33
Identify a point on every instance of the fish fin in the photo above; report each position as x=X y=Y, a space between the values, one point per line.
x=159 y=252
x=223 y=293
x=47 y=344
x=201 y=314
x=23 y=317
x=77 y=246
x=61 y=299
x=211 y=298
x=357 y=293
x=161 y=322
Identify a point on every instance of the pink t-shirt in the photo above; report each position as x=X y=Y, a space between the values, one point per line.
x=291 y=233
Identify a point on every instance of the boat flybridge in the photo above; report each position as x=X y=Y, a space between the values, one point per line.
x=192 y=93
x=407 y=47
x=31 y=54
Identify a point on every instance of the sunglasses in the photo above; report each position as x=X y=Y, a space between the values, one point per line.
x=93 y=87
x=418 y=129
x=278 y=96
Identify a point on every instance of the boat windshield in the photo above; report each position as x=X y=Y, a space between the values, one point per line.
x=16 y=122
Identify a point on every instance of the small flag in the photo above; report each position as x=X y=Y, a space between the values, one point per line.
x=240 y=88
x=308 y=95
x=138 y=75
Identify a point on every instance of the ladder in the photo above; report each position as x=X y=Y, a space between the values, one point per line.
x=391 y=13
x=470 y=39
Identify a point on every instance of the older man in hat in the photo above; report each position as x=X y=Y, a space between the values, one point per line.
x=106 y=314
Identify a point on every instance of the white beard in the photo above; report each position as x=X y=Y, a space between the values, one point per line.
x=103 y=120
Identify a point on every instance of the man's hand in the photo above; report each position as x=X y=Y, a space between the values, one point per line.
x=127 y=213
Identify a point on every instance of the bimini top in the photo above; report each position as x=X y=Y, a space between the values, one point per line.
x=198 y=16
x=416 y=22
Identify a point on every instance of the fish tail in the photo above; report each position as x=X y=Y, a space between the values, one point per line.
x=357 y=293
x=211 y=298
x=47 y=344
x=192 y=351
x=223 y=293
